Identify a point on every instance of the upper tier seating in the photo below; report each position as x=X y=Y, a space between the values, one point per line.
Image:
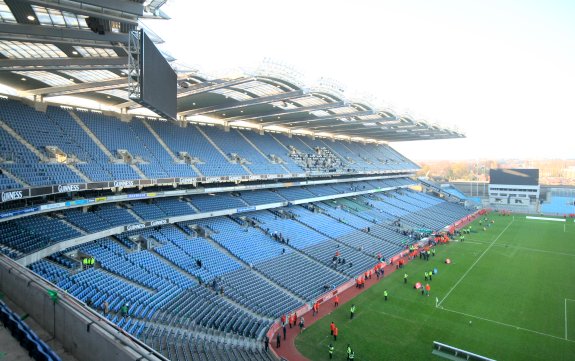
x=190 y=140
x=159 y=149
x=233 y=143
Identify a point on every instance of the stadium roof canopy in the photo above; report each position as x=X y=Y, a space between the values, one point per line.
x=53 y=48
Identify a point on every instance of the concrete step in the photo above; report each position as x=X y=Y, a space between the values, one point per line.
x=92 y=135
x=261 y=275
x=213 y=144
x=252 y=144
x=159 y=139
x=139 y=171
x=14 y=178
x=140 y=219
x=78 y=172
x=24 y=142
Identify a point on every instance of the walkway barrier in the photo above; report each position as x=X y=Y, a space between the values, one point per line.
x=455 y=354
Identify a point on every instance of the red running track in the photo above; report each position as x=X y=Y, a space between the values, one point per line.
x=287 y=348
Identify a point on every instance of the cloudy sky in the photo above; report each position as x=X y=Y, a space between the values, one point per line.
x=501 y=71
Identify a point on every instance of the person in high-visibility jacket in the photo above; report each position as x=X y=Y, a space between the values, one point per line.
x=330 y=349
x=405 y=278
x=352 y=311
x=336 y=301
x=335 y=332
x=385 y=294
x=425 y=274
x=332 y=327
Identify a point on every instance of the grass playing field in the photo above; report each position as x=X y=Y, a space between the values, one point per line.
x=509 y=295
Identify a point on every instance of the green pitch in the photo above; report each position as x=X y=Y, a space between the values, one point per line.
x=509 y=295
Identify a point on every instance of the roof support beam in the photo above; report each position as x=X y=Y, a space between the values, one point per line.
x=123 y=11
x=284 y=112
x=357 y=122
x=211 y=85
x=315 y=119
x=81 y=87
x=262 y=100
x=49 y=34
x=30 y=64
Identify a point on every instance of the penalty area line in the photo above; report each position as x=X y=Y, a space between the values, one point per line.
x=505 y=324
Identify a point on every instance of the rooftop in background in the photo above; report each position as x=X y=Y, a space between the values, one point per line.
x=50 y=49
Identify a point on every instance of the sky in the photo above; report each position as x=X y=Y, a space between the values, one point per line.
x=500 y=71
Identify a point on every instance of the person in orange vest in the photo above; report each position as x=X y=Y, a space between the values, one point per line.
x=357 y=283
x=335 y=332
x=294 y=319
x=427 y=289
x=332 y=327
x=283 y=319
x=365 y=275
x=336 y=303
x=291 y=320
x=315 y=308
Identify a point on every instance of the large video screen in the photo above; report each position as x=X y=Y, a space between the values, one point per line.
x=523 y=177
x=158 y=86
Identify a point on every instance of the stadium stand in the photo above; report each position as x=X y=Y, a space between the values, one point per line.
x=560 y=202
x=37 y=349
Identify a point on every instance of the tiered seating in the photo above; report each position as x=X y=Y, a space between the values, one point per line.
x=174 y=206
x=98 y=166
x=322 y=190
x=252 y=291
x=148 y=211
x=300 y=275
x=162 y=283
x=116 y=135
x=32 y=233
x=184 y=252
x=191 y=141
x=232 y=142
x=217 y=201
x=56 y=127
x=292 y=194
x=200 y=306
x=166 y=164
x=269 y=146
x=37 y=349
x=50 y=271
x=88 y=221
x=180 y=345
x=7 y=183
x=247 y=243
x=114 y=215
x=559 y=205
x=299 y=236
x=263 y=196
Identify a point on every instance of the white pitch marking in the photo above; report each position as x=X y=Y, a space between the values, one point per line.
x=506 y=324
x=474 y=263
